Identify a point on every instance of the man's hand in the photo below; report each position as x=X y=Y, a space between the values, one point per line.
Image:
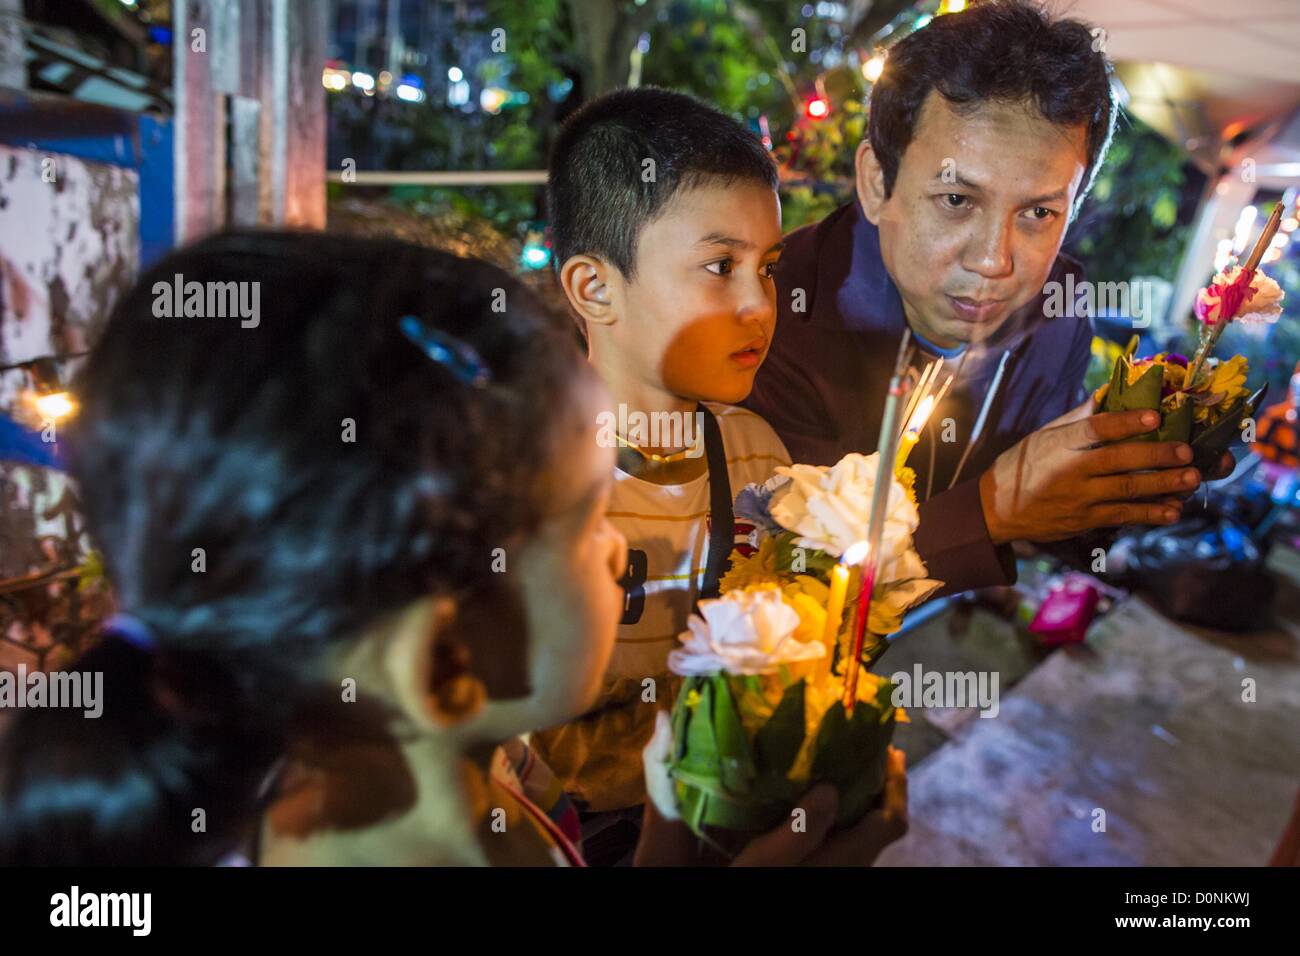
x=1057 y=482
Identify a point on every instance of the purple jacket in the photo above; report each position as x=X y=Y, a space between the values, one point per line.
x=822 y=387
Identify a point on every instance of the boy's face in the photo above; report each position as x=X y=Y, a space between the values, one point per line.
x=977 y=213
x=698 y=318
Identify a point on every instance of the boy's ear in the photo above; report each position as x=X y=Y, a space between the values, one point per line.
x=586 y=285
x=870 y=181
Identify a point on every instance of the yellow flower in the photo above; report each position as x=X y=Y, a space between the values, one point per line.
x=758 y=568
x=907 y=478
x=812 y=613
x=1173 y=375
x=1229 y=379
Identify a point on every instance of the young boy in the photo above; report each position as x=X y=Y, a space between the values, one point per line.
x=667 y=229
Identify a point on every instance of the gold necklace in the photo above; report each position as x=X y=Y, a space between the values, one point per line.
x=661 y=459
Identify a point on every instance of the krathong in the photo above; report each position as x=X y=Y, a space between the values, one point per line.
x=1202 y=400
x=761 y=716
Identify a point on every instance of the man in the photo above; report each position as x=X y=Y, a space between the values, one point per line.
x=985 y=132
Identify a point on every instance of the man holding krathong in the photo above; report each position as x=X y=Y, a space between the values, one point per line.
x=986 y=130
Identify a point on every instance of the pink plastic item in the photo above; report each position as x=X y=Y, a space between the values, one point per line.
x=1066 y=612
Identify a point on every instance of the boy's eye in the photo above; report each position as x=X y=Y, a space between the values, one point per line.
x=722 y=267
x=1042 y=214
x=953 y=200
x=769 y=270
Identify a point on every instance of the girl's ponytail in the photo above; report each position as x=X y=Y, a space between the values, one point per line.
x=130 y=776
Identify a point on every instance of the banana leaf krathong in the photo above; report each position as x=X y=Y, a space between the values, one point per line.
x=1209 y=439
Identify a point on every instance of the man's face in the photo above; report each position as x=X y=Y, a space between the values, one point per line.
x=977 y=213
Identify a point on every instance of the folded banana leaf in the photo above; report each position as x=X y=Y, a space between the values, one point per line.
x=723 y=780
x=851 y=752
x=1208 y=443
x=1146 y=393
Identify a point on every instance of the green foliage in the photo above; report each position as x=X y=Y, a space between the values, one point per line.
x=852 y=752
x=801 y=205
x=816 y=563
x=1129 y=225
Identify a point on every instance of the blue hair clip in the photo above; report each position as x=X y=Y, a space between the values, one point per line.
x=458 y=357
x=132 y=630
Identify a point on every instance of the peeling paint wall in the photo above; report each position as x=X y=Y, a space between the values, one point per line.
x=68 y=249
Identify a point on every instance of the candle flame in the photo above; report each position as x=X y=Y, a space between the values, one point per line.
x=856 y=553
x=921 y=415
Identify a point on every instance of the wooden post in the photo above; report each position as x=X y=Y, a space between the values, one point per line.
x=250 y=114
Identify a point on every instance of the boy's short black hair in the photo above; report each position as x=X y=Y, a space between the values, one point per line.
x=601 y=193
x=1001 y=50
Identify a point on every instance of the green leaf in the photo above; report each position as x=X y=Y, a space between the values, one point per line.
x=699 y=758
x=736 y=761
x=681 y=714
x=851 y=753
x=777 y=742
x=1144 y=393
x=1209 y=444
x=817 y=563
x=1177 y=424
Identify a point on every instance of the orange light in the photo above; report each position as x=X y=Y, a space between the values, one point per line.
x=54 y=407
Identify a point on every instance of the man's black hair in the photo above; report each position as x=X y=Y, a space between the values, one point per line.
x=602 y=191
x=1001 y=50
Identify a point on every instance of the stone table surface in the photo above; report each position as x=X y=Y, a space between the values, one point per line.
x=1144 y=729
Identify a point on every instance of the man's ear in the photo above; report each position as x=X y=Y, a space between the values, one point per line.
x=585 y=281
x=870 y=181
x=428 y=667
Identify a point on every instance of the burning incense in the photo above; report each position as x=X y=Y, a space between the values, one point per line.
x=924 y=400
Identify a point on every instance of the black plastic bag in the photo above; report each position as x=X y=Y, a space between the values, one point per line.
x=1204 y=570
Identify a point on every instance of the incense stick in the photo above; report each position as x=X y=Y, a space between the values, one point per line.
x=1247 y=271
x=886 y=449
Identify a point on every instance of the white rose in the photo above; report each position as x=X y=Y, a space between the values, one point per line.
x=830 y=509
x=743 y=632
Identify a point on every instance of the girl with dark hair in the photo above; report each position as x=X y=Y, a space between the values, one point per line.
x=359 y=543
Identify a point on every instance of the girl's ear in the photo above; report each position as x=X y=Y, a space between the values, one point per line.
x=585 y=281
x=428 y=666
x=870 y=181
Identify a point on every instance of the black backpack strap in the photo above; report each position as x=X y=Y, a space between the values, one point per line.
x=722 y=525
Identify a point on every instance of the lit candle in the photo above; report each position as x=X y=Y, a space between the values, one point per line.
x=835 y=607
x=904 y=449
